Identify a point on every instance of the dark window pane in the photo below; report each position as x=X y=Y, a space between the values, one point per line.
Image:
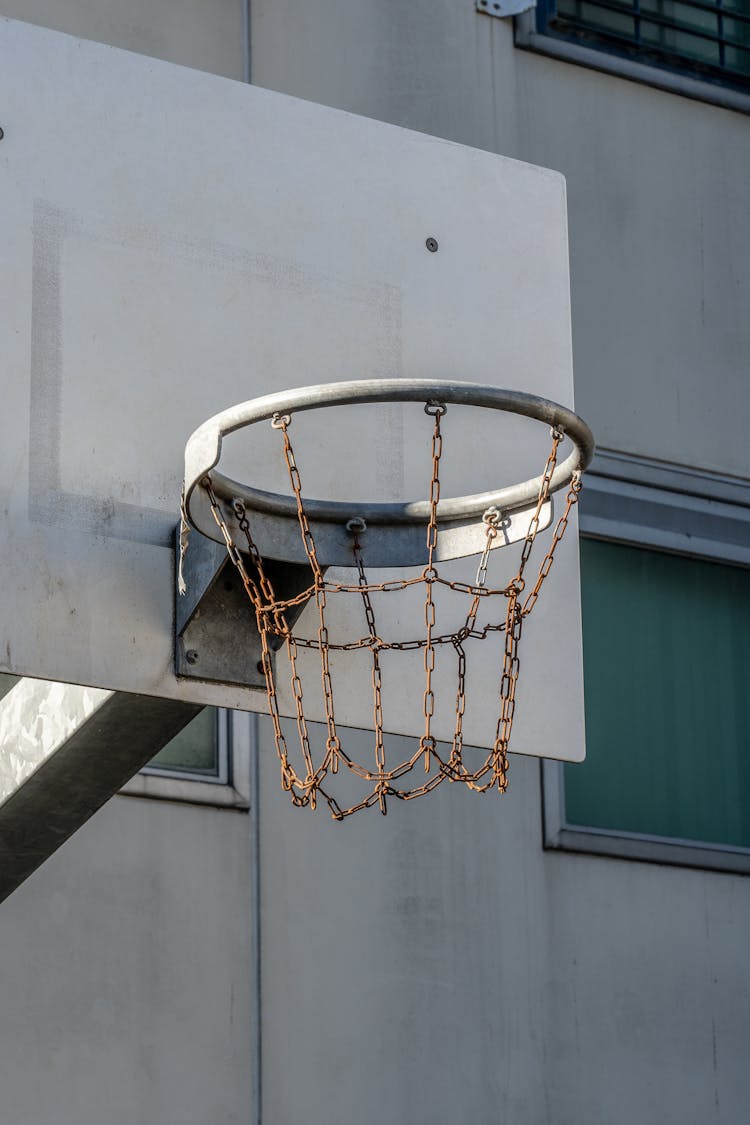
x=738 y=60
x=667 y=671
x=195 y=749
x=681 y=15
x=737 y=31
x=675 y=42
x=735 y=57
x=603 y=19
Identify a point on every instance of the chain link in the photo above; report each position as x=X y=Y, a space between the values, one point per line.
x=271 y=616
x=427 y=742
x=377 y=677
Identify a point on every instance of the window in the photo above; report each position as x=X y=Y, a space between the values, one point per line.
x=200 y=749
x=667 y=680
x=696 y=47
x=208 y=762
x=706 y=38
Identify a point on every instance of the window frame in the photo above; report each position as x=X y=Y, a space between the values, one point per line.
x=229 y=788
x=528 y=37
x=643 y=503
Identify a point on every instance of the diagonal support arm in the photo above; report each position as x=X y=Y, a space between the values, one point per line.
x=64 y=751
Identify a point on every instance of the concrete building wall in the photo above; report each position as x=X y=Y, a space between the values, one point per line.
x=657 y=203
x=438 y=966
x=126 y=989
x=205 y=34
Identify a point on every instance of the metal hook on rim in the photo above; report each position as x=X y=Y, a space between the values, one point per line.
x=281 y=421
x=434 y=408
x=356 y=526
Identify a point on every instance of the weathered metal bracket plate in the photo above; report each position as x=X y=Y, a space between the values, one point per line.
x=502 y=9
x=216 y=635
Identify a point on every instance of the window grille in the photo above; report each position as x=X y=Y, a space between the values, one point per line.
x=708 y=40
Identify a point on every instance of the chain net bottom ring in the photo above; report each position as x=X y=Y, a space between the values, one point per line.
x=513 y=604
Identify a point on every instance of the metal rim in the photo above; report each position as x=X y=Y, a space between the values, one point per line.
x=203 y=450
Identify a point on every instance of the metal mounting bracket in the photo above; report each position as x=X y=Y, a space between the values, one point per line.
x=216 y=635
x=502 y=9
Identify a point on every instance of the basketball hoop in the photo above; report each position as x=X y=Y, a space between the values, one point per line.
x=421 y=533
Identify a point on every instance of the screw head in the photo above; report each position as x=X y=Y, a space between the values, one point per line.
x=191 y=656
x=432 y=245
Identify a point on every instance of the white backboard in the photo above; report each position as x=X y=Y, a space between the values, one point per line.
x=175 y=243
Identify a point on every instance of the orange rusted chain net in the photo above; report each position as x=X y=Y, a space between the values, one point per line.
x=383 y=779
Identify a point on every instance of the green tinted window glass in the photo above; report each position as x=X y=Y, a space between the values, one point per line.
x=195 y=749
x=667 y=673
